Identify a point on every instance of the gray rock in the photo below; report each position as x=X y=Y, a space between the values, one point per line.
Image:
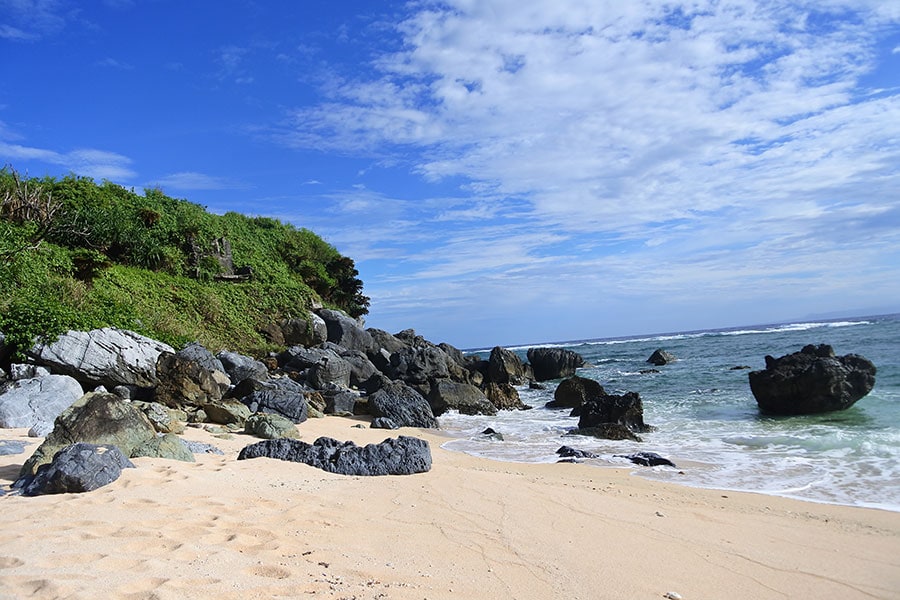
x=270 y=427
x=29 y=402
x=19 y=371
x=332 y=371
x=292 y=405
x=77 y=468
x=107 y=356
x=240 y=367
x=227 y=412
x=345 y=331
x=201 y=448
x=811 y=381
x=505 y=366
x=167 y=446
x=419 y=364
x=304 y=332
x=401 y=456
x=467 y=399
x=341 y=403
x=626 y=409
x=383 y=423
x=195 y=352
x=553 y=363
x=403 y=405
x=39 y=430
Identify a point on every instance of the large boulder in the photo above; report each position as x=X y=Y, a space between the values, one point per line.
x=504 y=396
x=811 y=381
x=626 y=409
x=76 y=468
x=240 y=367
x=186 y=384
x=288 y=403
x=575 y=391
x=96 y=418
x=168 y=446
x=661 y=357
x=505 y=366
x=419 y=364
x=331 y=371
x=107 y=357
x=553 y=363
x=310 y=331
x=345 y=331
x=401 y=456
x=270 y=426
x=467 y=399
x=403 y=405
x=197 y=353
x=383 y=345
x=37 y=401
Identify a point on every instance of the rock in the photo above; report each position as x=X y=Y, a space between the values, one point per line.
x=270 y=426
x=77 y=468
x=361 y=368
x=467 y=399
x=18 y=371
x=419 y=364
x=95 y=419
x=607 y=431
x=383 y=423
x=553 y=363
x=195 y=352
x=240 y=367
x=490 y=434
x=227 y=412
x=163 y=419
x=107 y=357
x=661 y=357
x=290 y=404
x=185 y=384
x=627 y=410
x=647 y=459
x=201 y=448
x=575 y=391
x=41 y=429
x=168 y=446
x=304 y=332
x=340 y=403
x=811 y=381
x=331 y=371
x=569 y=452
x=37 y=401
x=402 y=405
x=383 y=345
x=401 y=456
x=505 y=366
x=345 y=331
x=504 y=396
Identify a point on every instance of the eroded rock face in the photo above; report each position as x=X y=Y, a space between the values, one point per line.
x=107 y=357
x=401 y=456
x=811 y=381
x=505 y=366
x=553 y=363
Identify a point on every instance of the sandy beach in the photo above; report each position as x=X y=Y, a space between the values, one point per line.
x=469 y=528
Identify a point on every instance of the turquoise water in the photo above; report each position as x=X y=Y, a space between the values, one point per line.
x=707 y=420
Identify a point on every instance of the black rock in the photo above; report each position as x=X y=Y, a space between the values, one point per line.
x=575 y=391
x=553 y=363
x=490 y=434
x=569 y=452
x=383 y=423
x=647 y=459
x=290 y=404
x=607 y=431
x=811 y=381
x=77 y=468
x=661 y=357
x=403 y=405
x=627 y=410
x=401 y=456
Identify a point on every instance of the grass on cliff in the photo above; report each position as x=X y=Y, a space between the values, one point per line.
x=76 y=254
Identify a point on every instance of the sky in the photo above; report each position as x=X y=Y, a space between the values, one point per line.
x=502 y=172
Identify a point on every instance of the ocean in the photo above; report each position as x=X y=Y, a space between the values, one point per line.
x=707 y=420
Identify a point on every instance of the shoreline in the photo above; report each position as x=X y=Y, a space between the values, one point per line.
x=470 y=527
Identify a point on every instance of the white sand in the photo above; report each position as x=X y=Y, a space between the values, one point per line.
x=470 y=528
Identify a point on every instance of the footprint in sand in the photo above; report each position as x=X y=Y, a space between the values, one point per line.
x=269 y=572
x=10 y=562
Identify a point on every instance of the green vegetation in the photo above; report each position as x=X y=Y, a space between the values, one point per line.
x=75 y=254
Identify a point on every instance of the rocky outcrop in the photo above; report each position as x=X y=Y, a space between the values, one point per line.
x=626 y=410
x=553 y=363
x=107 y=357
x=811 y=381
x=76 y=468
x=96 y=418
x=310 y=331
x=661 y=357
x=575 y=391
x=290 y=404
x=240 y=367
x=345 y=331
x=186 y=384
x=505 y=366
x=402 y=405
x=37 y=401
x=401 y=456
x=467 y=399
x=419 y=364
x=504 y=396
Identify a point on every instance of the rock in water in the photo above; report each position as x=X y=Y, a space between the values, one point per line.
x=401 y=456
x=553 y=363
x=647 y=459
x=661 y=357
x=811 y=381
x=80 y=467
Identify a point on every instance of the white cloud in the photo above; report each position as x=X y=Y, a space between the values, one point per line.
x=88 y=162
x=190 y=180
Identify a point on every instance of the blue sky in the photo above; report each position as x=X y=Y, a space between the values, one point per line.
x=501 y=171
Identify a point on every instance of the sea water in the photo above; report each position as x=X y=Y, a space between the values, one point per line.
x=707 y=421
